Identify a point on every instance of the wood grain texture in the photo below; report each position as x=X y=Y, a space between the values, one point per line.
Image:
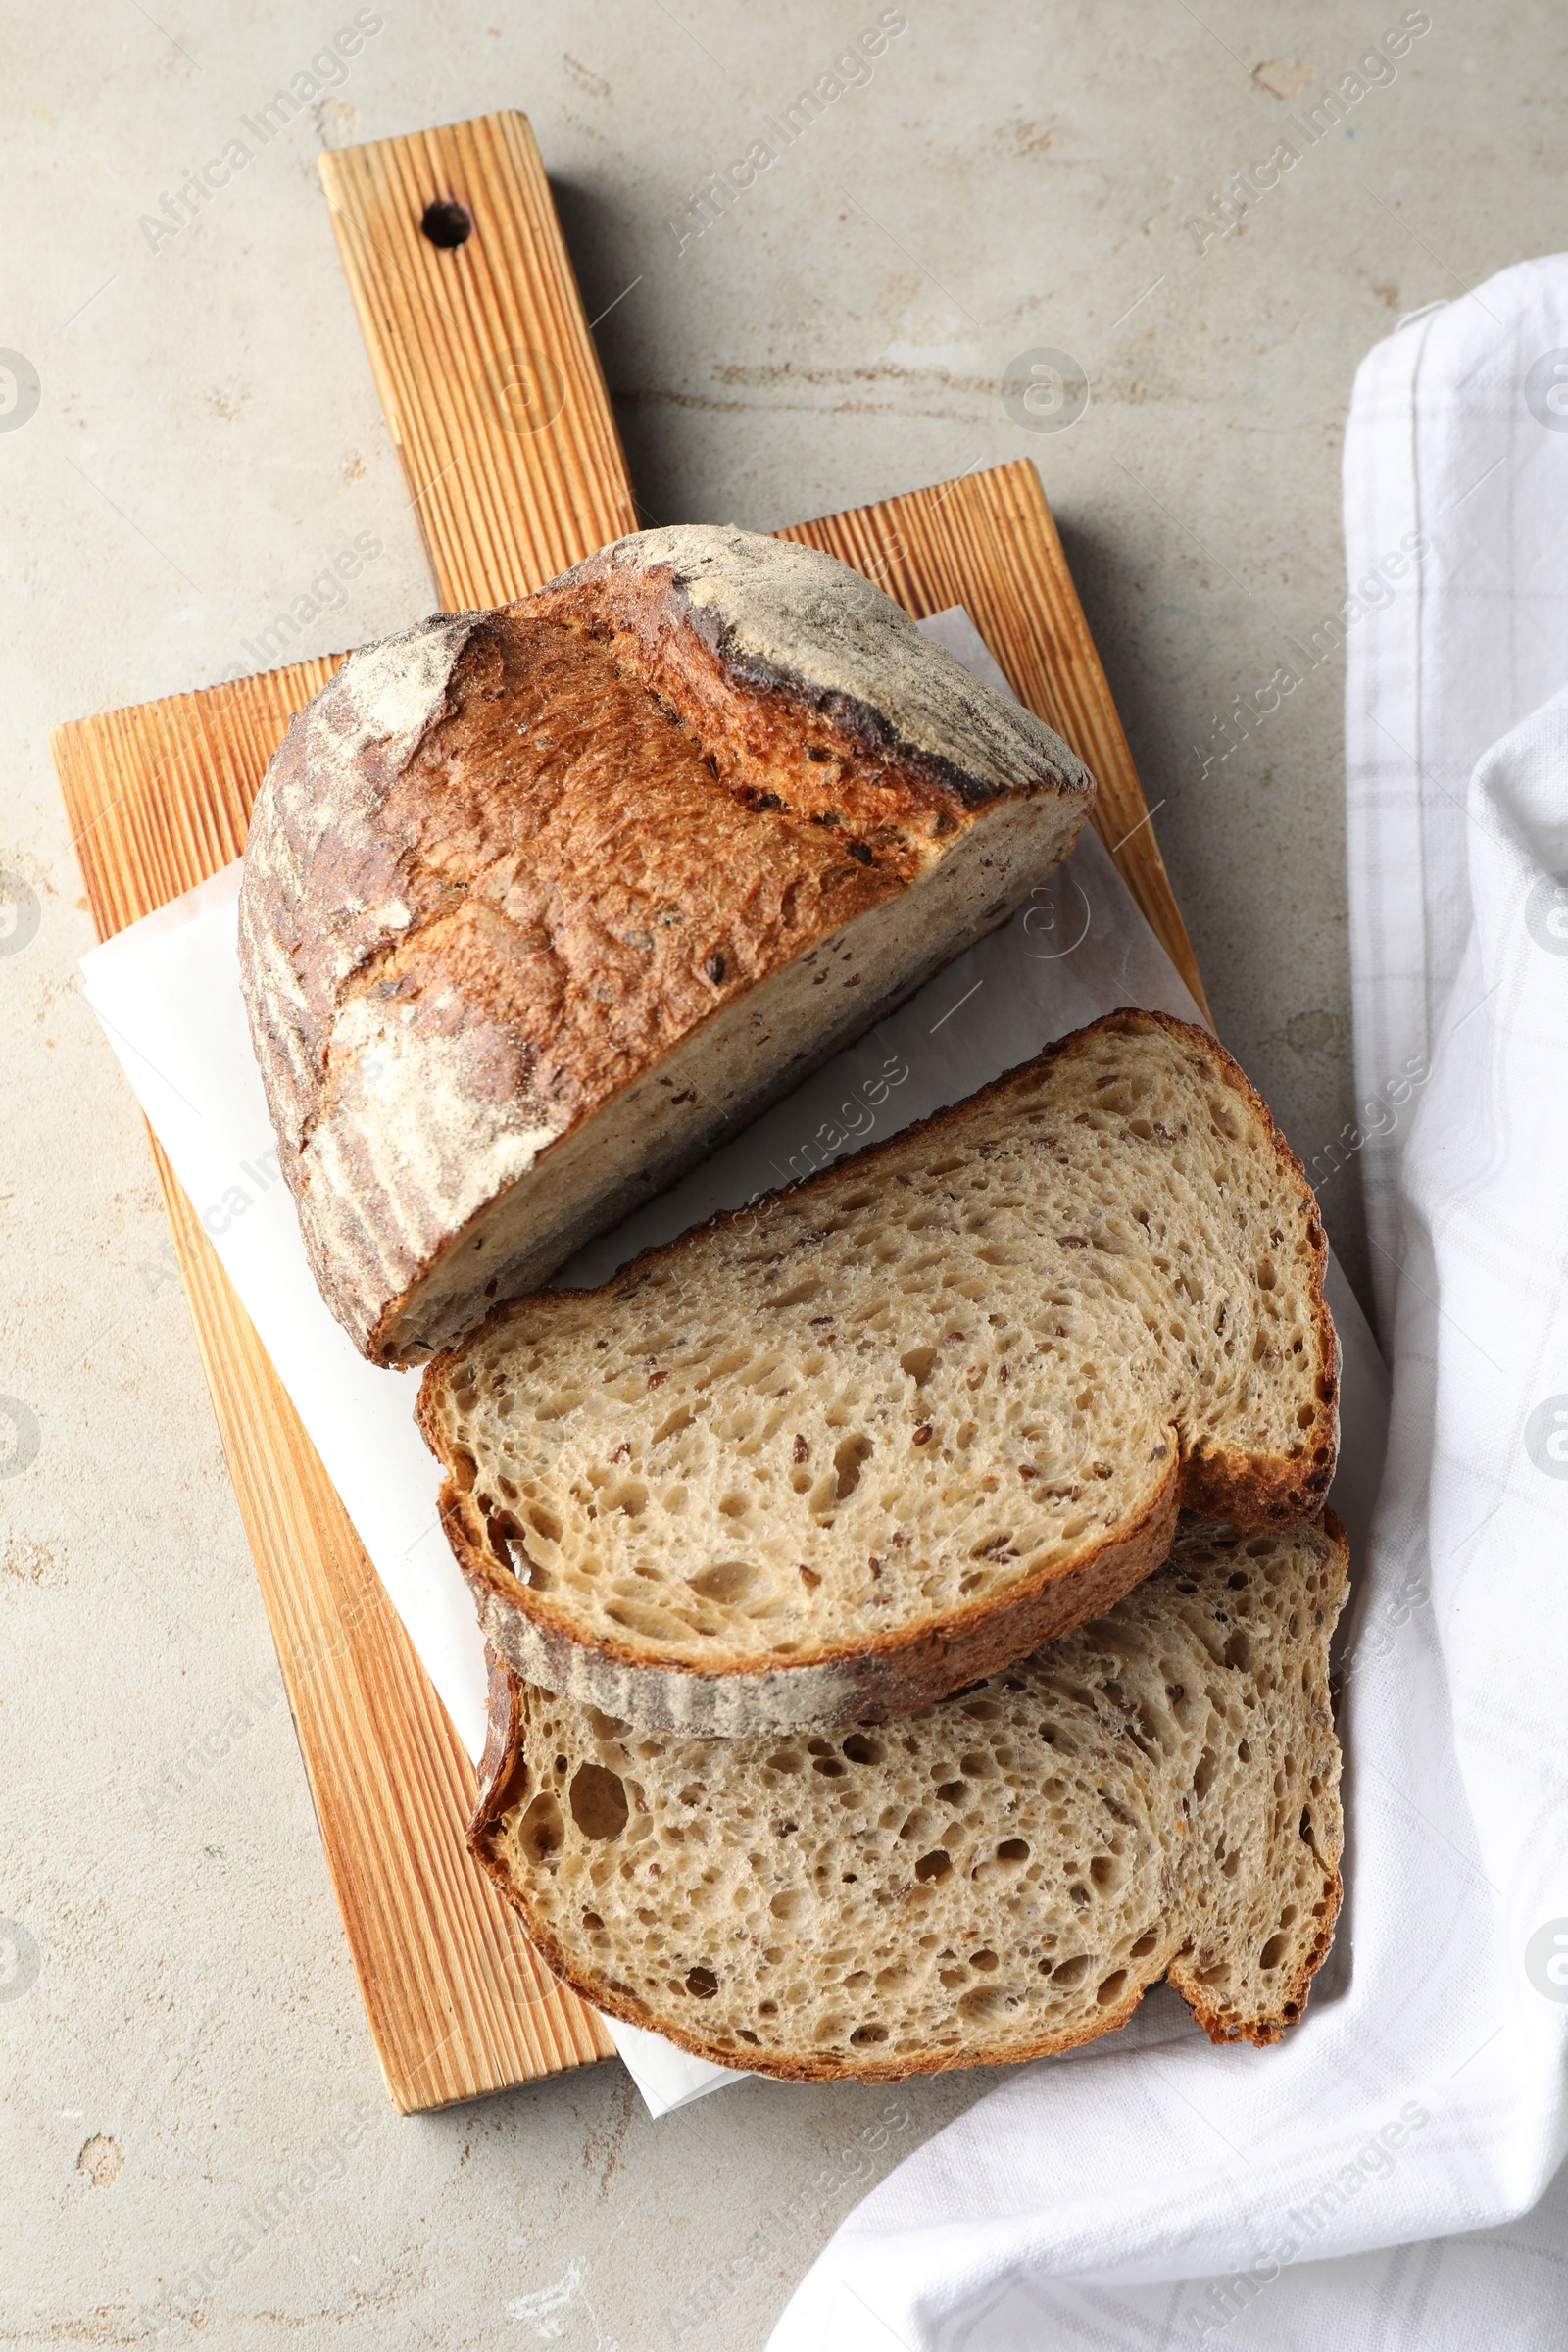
x=159 y=799
x=986 y=542
x=152 y=805
x=483 y=360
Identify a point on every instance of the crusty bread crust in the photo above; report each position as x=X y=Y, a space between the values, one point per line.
x=908 y=1668
x=507 y=867
x=501 y=1785
x=731 y=625
x=902 y=1671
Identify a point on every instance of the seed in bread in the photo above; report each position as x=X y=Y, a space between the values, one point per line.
x=998 y=1877
x=830 y=1458
x=537 y=901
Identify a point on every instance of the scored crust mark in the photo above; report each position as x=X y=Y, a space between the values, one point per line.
x=732 y=629
x=510 y=867
x=825 y=1458
x=996 y=1877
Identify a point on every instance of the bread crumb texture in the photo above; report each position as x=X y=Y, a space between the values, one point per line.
x=959 y=1367
x=999 y=1876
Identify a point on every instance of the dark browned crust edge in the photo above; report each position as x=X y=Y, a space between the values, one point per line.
x=864 y=729
x=502 y=1756
x=503 y=1743
x=1262 y=2032
x=900 y=1671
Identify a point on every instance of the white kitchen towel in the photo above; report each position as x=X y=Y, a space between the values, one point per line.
x=167 y=991
x=1149 y=2190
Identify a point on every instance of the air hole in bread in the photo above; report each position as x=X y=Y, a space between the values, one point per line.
x=655 y=1625
x=849 y=1458
x=987 y=2004
x=541 y=1832
x=798 y=1293
x=729 y=1581
x=598 y=1799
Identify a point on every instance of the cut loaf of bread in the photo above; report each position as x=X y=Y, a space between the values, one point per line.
x=1000 y=1876
x=538 y=901
x=829 y=1458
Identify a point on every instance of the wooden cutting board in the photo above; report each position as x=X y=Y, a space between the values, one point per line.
x=496 y=404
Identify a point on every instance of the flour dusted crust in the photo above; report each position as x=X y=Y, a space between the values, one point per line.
x=538 y=901
x=749 y=614
x=994 y=1877
x=826 y=1458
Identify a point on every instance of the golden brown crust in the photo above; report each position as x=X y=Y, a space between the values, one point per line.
x=1261 y=2032
x=503 y=1743
x=631 y=2012
x=503 y=866
x=907 y=1669
x=832 y=760
x=552 y=929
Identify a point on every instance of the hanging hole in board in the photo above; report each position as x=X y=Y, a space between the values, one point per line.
x=446 y=223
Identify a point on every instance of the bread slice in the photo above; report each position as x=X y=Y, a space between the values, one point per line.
x=1000 y=1876
x=537 y=901
x=827 y=1459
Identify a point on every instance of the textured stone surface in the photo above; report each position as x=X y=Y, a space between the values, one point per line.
x=180 y=2023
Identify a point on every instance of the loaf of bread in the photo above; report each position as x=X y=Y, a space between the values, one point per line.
x=998 y=1877
x=830 y=1458
x=536 y=902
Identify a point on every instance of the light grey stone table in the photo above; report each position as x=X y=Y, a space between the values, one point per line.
x=190 y=2092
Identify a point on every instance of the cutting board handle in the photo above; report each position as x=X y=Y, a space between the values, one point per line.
x=488 y=376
